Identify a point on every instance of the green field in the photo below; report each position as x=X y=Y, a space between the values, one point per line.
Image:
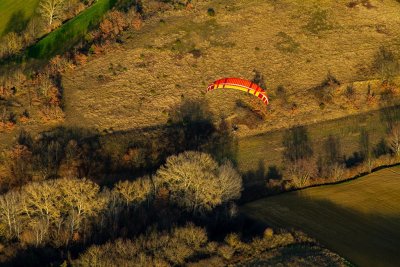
x=71 y=32
x=359 y=219
x=15 y=14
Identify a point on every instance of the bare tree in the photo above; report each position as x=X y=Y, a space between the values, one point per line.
x=133 y=192
x=301 y=171
x=366 y=149
x=51 y=9
x=10 y=44
x=197 y=183
x=393 y=139
x=337 y=171
x=172 y=248
x=81 y=201
x=54 y=211
x=11 y=214
x=231 y=182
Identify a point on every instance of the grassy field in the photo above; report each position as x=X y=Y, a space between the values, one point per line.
x=359 y=219
x=71 y=32
x=15 y=14
x=177 y=53
x=266 y=149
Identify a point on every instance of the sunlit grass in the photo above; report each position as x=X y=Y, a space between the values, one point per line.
x=14 y=14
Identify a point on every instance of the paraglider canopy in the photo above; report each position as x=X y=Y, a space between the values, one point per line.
x=240 y=84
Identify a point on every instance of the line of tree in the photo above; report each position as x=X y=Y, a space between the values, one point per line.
x=71 y=152
x=301 y=165
x=186 y=244
x=68 y=212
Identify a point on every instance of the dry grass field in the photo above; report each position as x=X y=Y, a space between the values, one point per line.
x=292 y=43
x=359 y=219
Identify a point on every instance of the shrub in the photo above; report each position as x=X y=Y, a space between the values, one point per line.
x=280 y=92
x=324 y=91
x=287 y=43
x=350 y=92
x=212 y=247
x=268 y=233
x=318 y=22
x=211 y=12
x=259 y=79
x=301 y=171
x=386 y=64
x=113 y=25
x=10 y=44
x=226 y=252
x=233 y=240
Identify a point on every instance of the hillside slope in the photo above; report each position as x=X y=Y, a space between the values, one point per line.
x=292 y=43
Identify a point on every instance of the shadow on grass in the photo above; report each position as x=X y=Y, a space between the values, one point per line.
x=362 y=238
x=112 y=156
x=17 y=22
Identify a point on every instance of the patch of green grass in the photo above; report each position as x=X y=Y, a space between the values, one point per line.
x=15 y=14
x=359 y=219
x=71 y=32
x=287 y=43
x=318 y=21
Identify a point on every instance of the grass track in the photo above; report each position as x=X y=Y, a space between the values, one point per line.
x=71 y=32
x=359 y=219
x=15 y=13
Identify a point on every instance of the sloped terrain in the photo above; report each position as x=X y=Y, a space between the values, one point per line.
x=292 y=43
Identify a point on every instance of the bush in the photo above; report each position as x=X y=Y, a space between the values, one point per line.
x=113 y=25
x=259 y=79
x=280 y=92
x=350 y=92
x=233 y=240
x=226 y=252
x=287 y=43
x=211 y=12
x=212 y=247
x=318 y=22
x=324 y=91
x=152 y=249
x=268 y=233
x=386 y=64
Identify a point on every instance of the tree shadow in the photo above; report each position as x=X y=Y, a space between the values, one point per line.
x=17 y=22
x=390 y=115
x=297 y=144
x=109 y=157
x=367 y=239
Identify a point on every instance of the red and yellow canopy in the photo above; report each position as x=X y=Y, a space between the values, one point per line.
x=240 y=84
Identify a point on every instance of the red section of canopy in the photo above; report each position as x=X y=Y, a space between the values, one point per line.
x=242 y=83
